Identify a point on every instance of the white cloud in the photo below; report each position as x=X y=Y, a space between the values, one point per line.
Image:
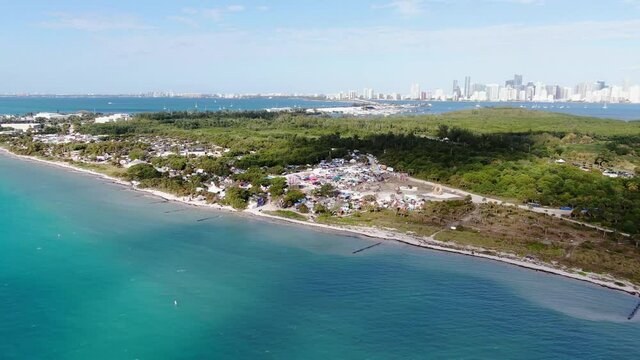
x=560 y=52
x=185 y=20
x=405 y=8
x=515 y=35
x=216 y=14
x=529 y=44
x=522 y=2
x=94 y=22
x=235 y=8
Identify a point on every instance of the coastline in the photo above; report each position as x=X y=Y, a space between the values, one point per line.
x=430 y=242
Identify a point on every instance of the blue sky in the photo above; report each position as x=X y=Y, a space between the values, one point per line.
x=118 y=46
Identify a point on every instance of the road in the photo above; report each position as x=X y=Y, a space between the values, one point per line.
x=479 y=199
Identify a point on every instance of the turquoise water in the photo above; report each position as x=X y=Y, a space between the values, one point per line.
x=89 y=270
x=23 y=105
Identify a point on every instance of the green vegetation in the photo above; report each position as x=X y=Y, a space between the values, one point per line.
x=142 y=172
x=326 y=190
x=506 y=153
x=107 y=169
x=173 y=162
x=287 y=214
x=413 y=222
x=237 y=197
x=278 y=186
x=510 y=245
x=292 y=197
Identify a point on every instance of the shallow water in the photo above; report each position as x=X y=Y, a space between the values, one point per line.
x=89 y=270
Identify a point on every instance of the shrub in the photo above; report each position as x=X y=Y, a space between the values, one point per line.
x=142 y=172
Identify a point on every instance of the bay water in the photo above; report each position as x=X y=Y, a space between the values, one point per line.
x=109 y=104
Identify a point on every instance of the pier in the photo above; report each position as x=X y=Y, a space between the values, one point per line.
x=634 y=312
x=366 y=248
x=174 y=211
x=208 y=218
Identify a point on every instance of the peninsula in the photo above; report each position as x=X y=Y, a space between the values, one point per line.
x=551 y=192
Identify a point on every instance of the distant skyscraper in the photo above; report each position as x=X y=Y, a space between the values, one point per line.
x=456 y=90
x=467 y=86
x=493 y=92
x=368 y=94
x=415 y=92
x=517 y=80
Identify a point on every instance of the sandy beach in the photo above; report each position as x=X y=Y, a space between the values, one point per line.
x=422 y=242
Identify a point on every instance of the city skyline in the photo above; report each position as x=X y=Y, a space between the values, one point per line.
x=258 y=46
x=514 y=89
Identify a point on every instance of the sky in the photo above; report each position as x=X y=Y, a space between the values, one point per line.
x=304 y=46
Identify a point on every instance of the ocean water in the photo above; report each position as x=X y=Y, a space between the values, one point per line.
x=90 y=270
x=23 y=105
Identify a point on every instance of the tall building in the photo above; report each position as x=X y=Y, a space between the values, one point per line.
x=415 y=92
x=467 y=86
x=517 y=80
x=493 y=92
x=478 y=88
x=634 y=94
x=456 y=90
x=368 y=94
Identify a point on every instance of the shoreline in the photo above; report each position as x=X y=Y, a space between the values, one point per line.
x=430 y=242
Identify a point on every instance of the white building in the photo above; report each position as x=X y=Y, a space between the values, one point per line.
x=50 y=116
x=415 y=92
x=112 y=118
x=634 y=94
x=493 y=92
x=21 y=126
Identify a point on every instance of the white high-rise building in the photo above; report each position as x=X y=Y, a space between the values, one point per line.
x=415 y=92
x=634 y=94
x=493 y=92
x=566 y=93
x=503 y=94
x=368 y=94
